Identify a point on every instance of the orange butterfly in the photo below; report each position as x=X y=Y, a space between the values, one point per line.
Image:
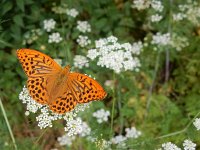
x=49 y=83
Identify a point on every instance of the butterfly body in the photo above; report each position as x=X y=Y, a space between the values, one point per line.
x=50 y=84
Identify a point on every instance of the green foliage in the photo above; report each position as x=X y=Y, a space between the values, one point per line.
x=173 y=100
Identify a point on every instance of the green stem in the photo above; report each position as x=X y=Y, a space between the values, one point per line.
x=8 y=125
x=152 y=85
x=113 y=108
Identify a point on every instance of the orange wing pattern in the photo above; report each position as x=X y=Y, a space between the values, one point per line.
x=37 y=64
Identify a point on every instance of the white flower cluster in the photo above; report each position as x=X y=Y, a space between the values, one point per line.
x=161 y=39
x=189 y=11
x=83 y=26
x=66 y=140
x=46 y=117
x=187 y=145
x=72 y=12
x=49 y=24
x=101 y=115
x=32 y=35
x=80 y=61
x=196 y=123
x=170 y=146
x=83 y=40
x=141 y=4
x=79 y=127
x=131 y=133
x=137 y=47
x=179 y=42
x=156 y=5
x=113 y=55
x=55 y=38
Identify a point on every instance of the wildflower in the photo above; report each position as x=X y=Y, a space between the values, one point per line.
x=156 y=18
x=83 y=40
x=119 y=139
x=101 y=115
x=179 y=42
x=114 y=55
x=49 y=24
x=141 y=4
x=83 y=26
x=85 y=130
x=161 y=39
x=32 y=35
x=170 y=146
x=81 y=61
x=136 y=48
x=189 y=145
x=178 y=16
x=55 y=38
x=72 y=12
x=74 y=126
x=157 y=5
x=132 y=132
x=66 y=140
x=196 y=123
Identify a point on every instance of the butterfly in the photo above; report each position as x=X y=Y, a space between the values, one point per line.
x=50 y=84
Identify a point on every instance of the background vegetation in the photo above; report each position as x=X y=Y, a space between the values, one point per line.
x=160 y=99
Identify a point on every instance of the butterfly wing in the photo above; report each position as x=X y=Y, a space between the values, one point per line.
x=39 y=68
x=79 y=89
x=37 y=64
x=85 y=89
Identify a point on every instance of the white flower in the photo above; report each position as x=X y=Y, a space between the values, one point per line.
x=157 y=5
x=178 y=16
x=197 y=123
x=83 y=40
x=170 y=146
x=156 y=18
x=179 y=42
x=101 y=115
x=189 y=145
x=83 y=26
x=132 y=132
x=141 y=4
x=137 y=48
x=49 y=24
x=72 y=12
x=66 y=140
x=74 y=127
x=55 y=38
x=81 y=61
x=114 y=55
x=161 y=39
x=118 y=139
x=86 y=130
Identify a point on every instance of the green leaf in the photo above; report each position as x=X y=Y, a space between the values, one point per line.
x=18 y=19
x=20 y=4
x=6 y=7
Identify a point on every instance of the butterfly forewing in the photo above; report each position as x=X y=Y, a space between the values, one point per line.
x=36 y=64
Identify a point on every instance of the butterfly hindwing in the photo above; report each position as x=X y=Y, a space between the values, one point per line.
x=37 y=64
x=37 y=89
x=85 y=88
x=64 y=103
